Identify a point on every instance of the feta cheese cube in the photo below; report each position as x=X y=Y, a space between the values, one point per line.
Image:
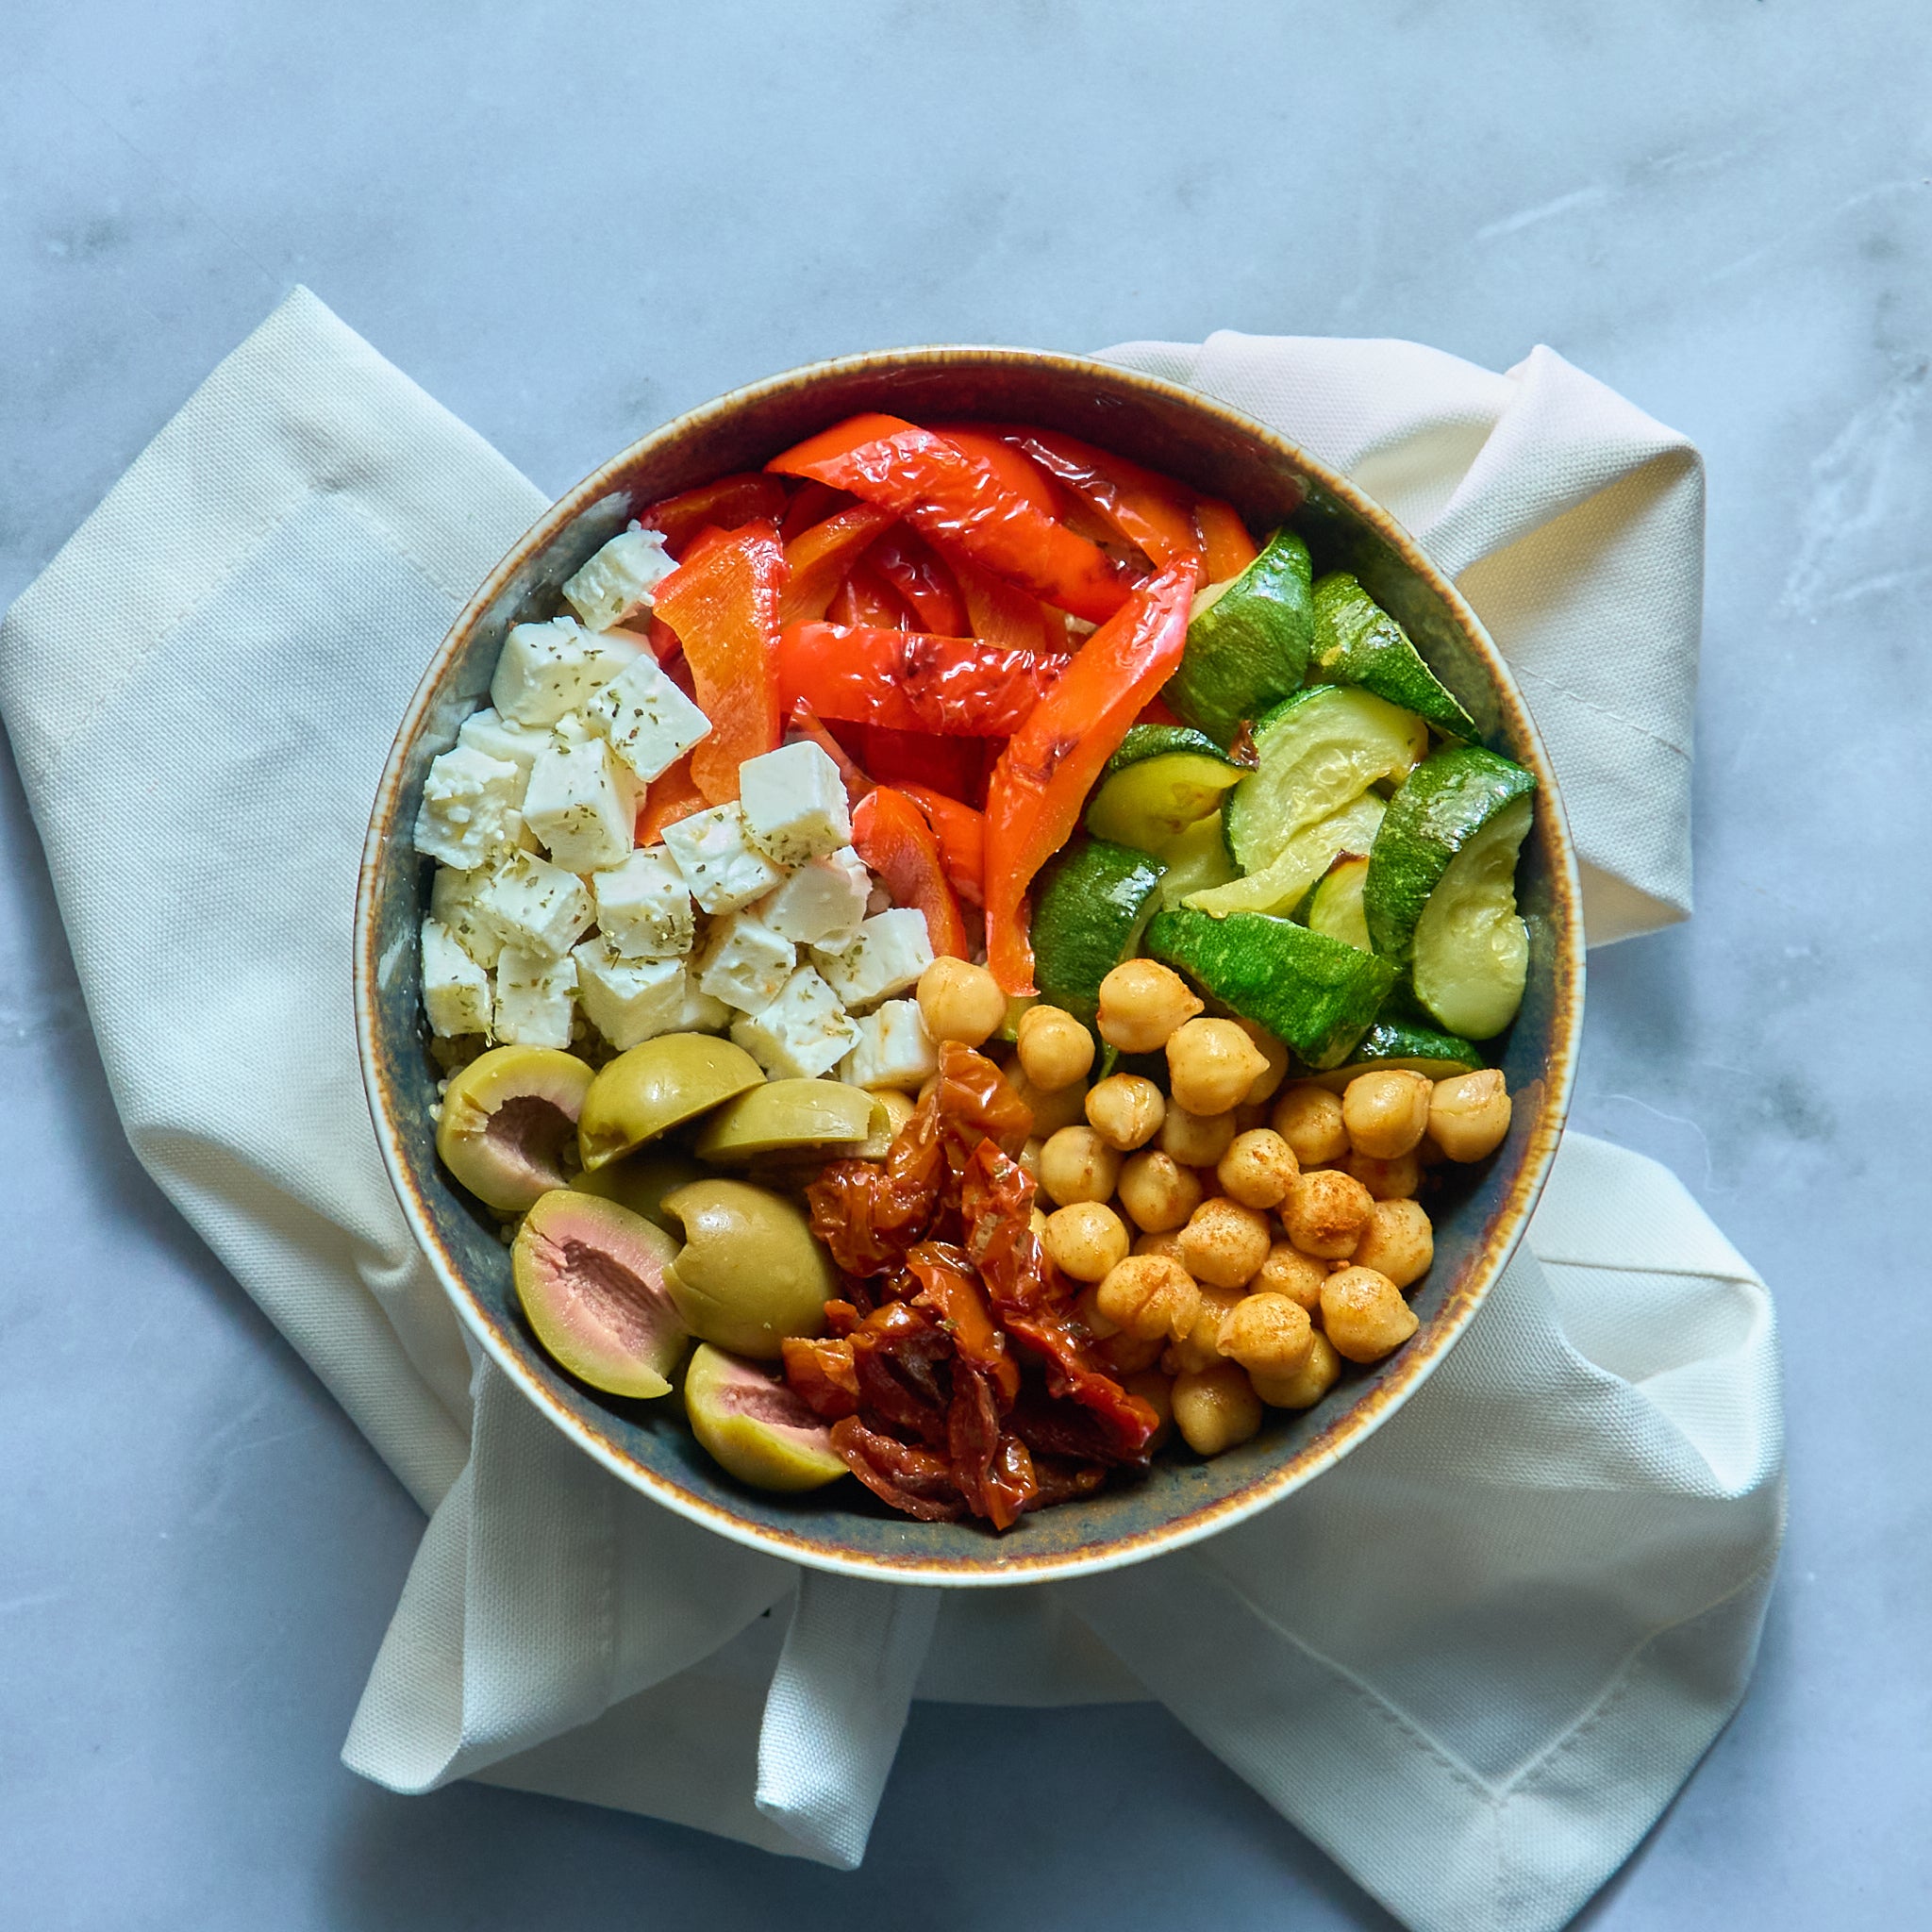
x=800 y=1034
x=535 y=998
x=579 y=803
x=701 y=1013
x=453 y=905
x=615 y=585
x=892 y=949
x=534 y=905
x=745 y=963
x=469 y=807
x=795 y=803
x=547 y=668
x=644 y=907
x=455 y=991
x=893 y=1049
x=650 y=723
x=629 y=1001
x=496 y=736
x=715 y=856
x=822 y=903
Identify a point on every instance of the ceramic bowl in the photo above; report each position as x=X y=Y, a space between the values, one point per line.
x=1218 y=451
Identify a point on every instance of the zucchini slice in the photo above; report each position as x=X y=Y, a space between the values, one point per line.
x=1356 y=641
x=1407 y=1048
x=1087 y=913
x=1472 y=947
x=1162 y=779
x=1335 y=906
x=1248 y=645
x=1284 y=883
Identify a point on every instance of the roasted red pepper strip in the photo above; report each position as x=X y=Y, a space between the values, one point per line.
x=865 y=598
x=956 y=766
x=1226 y=549
x=1022 y=477
x=728 y=503
x=961 y=833
x=910 y=681
x=1001 y=613
x=724 y=608
x=821 y=557
x=960 y=503
x=811 y=503
x=672 y=795
x=909 y=564
x=896 y=840
x=1144 y=508
x=1033 y=798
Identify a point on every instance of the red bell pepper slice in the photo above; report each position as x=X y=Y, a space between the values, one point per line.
x=909 y=681
x=811 y=503
x=961 y=833
x=1001 y=613
x=1020 y=475
x=1226 y=549
x=1137 y=504
x=866 y=598
x=961 y=505
x=897 y=840
x=724 y=608
x=909 y=564
x=821 y=557
x=1036 y=789
x=673 y=795
x=956 y=766
x=729 y=503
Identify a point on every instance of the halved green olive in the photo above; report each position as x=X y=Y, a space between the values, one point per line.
x=755 y=1425
x=750 y=1271
x=508 y=1125
x=639 y=1181
x=784 y=1114
x=672 y=1078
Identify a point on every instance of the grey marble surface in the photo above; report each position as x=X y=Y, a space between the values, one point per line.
x=568 y=222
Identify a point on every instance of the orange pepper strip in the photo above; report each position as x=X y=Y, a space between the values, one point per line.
x=1144 y=508
x=1226 y=547
x=724 y=608
x=961 y=833
x=962 y=506
x=896 y=840
x=915 y=570
x=673 y=795
x=1033 y=798
x=728 y=503
x=812 y=503
x=820 y=556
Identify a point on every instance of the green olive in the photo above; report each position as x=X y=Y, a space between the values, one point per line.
x=508 y=1125
x=783 y=1114
x=755 y=1425
x=750 y=1272
x=672 y=1078
x=639 y=1181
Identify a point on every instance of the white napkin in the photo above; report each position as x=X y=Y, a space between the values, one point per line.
x=1473 y=1661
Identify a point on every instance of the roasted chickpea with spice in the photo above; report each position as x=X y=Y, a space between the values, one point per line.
x=1215 y=1409
x=1085 y=1241
x=1077 y=1165
x=1142 y=1002
x=1325 y=1213
x=1268 y=1334
x=1308 y=1118
x=1157 y=1192
x=1200 y=1345
x=1196 y=1140
x=1149 y=1296
x=1274 y=1064
x=1469 y=1115
x=1053 y=1108
x=1210 y=1065
x=1364 y=1315
x=1257 y=1168
x=1385 y=1111
x=1307 y=1384
x=1287 y=1271
x=960 y=1002
x=1126 y=1110
x=1398 y=1243
x=1224 y=1243
x=1388 y=1180
x=1168 y=1244
x=1054 y=1049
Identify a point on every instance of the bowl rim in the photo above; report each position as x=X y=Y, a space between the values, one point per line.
x=1416 y=1362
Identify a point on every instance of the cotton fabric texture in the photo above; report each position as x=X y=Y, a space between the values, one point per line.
x=1473 y=1661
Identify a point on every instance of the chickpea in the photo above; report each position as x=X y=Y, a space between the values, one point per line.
x=1086 y=1307
x=1385 y=1111
x=1468 y=1114
x=1257 y=1168
x=1142 y=1002
x=1398 y=1243
x=1077 y=1165
x=1085 y=1239
x=1308 y=1118
x=1157 y=1192
x=1201 y=1345
x=1129 y=1355
x=1224 y=1243
x=1126 y=1110
x=1196 y=1140
x=1309 y=1383
x=1029 y=1154
x=1325 y=1213
x=1388 y=1180
x=1268 y=1334
x=1157 y=1391
x=1210 y=1065
x=1215 y=1409
x=1149 y=1296
x=1287 y=1271
x=1274 y=1064
x=960 y=1002
x=1036 y=1220
x=1054 y=1049
x=1167 y=1242
x=1061 y=1107
x=1363 y=1314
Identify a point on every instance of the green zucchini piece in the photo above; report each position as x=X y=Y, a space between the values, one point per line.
x=1162 y=779
x=1318 y=994
x=1281 y=886
x=1356 y=641
x=1087 y=913
x=1335 y=906
x=1196 y=860
x=1472 y=947
x=1410 y=1049
x=1248 y=646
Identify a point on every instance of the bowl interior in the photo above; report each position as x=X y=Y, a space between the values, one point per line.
x=1477 y=1222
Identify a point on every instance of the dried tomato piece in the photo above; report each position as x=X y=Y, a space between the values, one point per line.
x=1126 y=1424
x=948 y=1285
x=995 y=1472
x=976 y=1101
x=996 y=1203
x=896 y=1351
x=869 y=1212
x=1057 y=1480
x=822 y=1375
x=913 y=1481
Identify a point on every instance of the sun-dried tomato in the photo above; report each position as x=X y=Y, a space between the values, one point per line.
x=1057 y=1480
x=995 y=1472
x=913 y=1480
x=977 y=1102
x=948 y=1285
x=1124 y=1423
x=869 y=1212
x=896 y=1354
x=996 y=1203
x=822 y=1375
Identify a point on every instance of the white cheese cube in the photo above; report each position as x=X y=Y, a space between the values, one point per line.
x=534 y=905
x=795 y=803
x=745 y=963
x=629 y=1001
x=547 y=668
x=469 y=807
x=893 y=1049
x=892 y=949
x=579 y=803
x=701 y=1013
x=615 y=585
x=822 y=903
x=650 y=723
x=716 y=858
x=800 y=1034
x=644 y=907
x=453 y=897
x=535 y=998
x=455 y=991
x=496 y=736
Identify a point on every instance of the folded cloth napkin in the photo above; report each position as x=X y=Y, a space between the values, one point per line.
x=1473 y=1661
